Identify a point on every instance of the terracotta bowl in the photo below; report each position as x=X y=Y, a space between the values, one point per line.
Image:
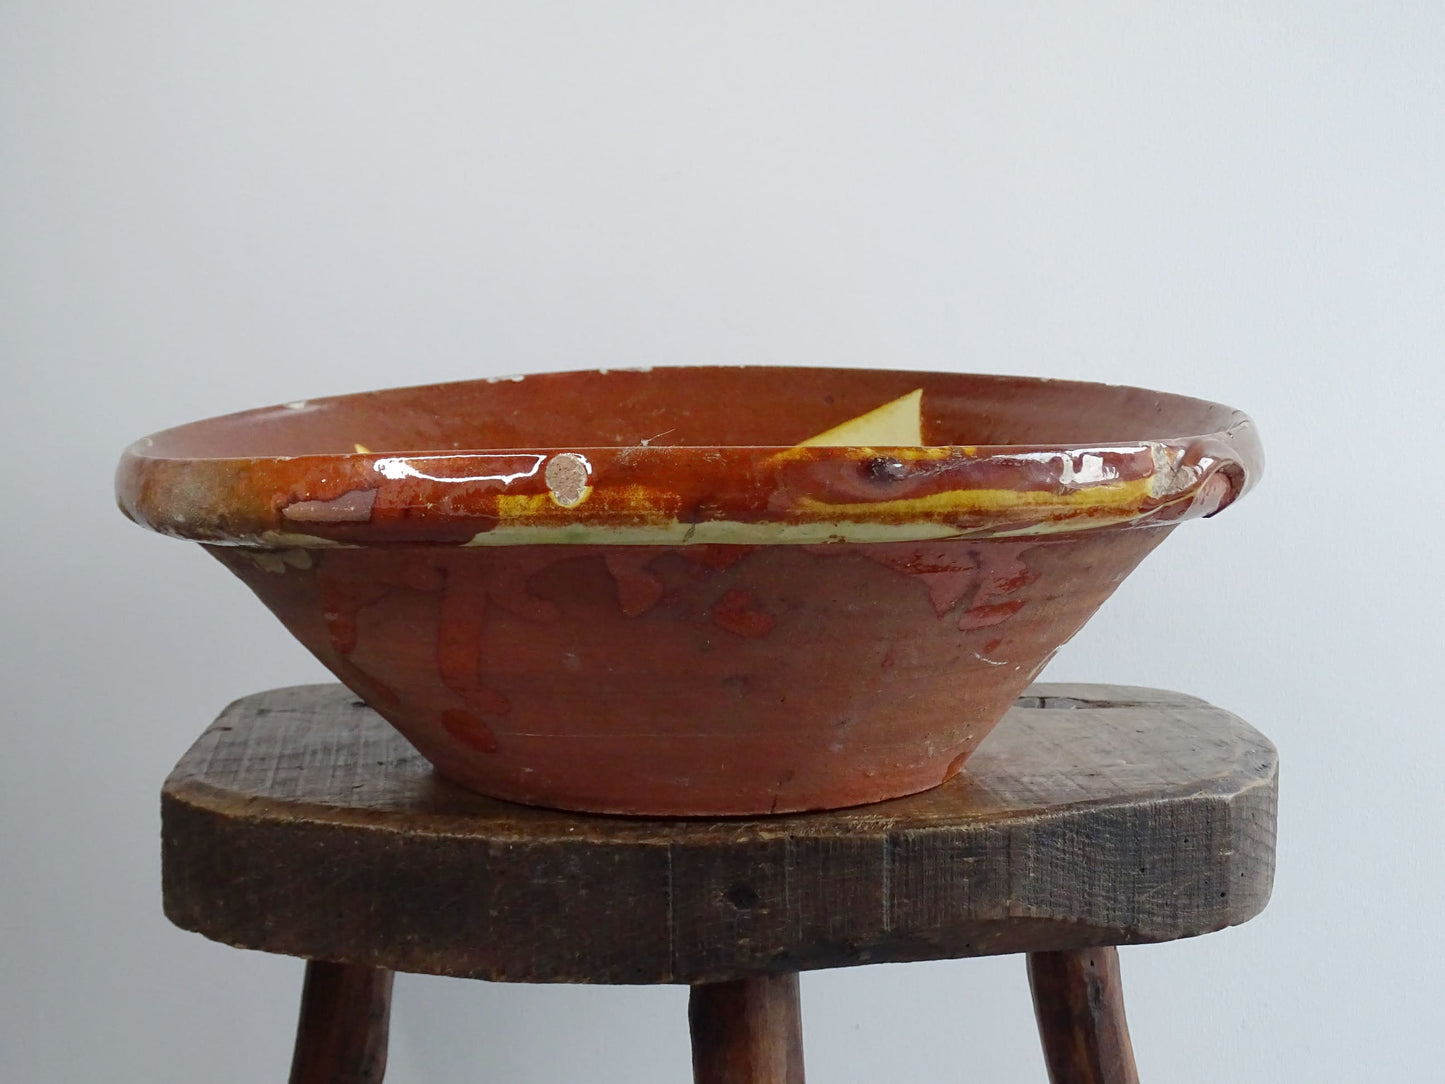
x=631 y=592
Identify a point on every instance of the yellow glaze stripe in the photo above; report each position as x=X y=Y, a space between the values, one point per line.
x=1111 y=495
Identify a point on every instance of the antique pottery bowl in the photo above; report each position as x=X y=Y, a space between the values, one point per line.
x=637 y=592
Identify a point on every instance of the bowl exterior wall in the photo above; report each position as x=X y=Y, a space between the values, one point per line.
x=696 y=680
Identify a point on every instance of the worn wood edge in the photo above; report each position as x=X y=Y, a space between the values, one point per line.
x=878 y=820
x=190 y=806
x=1095 y=694
x=1106 y=695
x=1251 y=819
x=627 y=831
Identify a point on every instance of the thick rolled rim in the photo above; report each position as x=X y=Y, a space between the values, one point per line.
x=679 y=495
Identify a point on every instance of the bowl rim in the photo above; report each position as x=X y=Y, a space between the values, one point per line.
x=650 y=494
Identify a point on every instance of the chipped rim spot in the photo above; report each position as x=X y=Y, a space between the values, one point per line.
x=566 y=476
x=353 y=506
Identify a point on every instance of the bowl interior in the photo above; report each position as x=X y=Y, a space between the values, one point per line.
x=693 y=407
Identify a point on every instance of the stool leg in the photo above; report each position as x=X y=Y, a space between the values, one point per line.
x=1079 y=1004
x=747 y=1032
x=341 y=1036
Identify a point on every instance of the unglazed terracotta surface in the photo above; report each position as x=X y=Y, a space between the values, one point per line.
x=636 y=592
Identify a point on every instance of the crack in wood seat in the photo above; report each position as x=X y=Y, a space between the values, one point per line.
x=301 y=823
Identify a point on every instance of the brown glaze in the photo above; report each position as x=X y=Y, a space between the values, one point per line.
x=452 y=462
x=564 y=627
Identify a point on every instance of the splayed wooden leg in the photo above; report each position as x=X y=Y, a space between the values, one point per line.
x=1079 y=1003
x=341 y=1036
x=747 y=1032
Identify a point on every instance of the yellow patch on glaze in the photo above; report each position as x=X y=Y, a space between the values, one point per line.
x=621 y=501
x=893 y=425
x=362 y=449
x=524 y=506
x=1108 y=495
x=906 y=454
x=582 y=495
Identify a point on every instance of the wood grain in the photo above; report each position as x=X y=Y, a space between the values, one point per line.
x=749 y=1031
x=1079 y=1003
x=301 y=823
x=341 y=1037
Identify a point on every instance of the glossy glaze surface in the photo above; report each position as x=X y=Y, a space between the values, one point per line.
x=687 y=455
x=633 y=592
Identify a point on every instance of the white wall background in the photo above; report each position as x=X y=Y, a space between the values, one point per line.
x=205 y=207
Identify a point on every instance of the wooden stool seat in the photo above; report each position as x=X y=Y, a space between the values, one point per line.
x=1094 y=816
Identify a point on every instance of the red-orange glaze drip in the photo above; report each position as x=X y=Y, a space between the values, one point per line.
x=341 y=601
x=981 y=578
x=738 y=612
x=716 y=555
x=505 y=584
x=469 y=730
x=459 y=639
x=343 y=598
x=947 y=574
x=956 y=765
x=1001 y=576
x=983 y=617
x=638 y=590
x=470 y=589
x=364 y=685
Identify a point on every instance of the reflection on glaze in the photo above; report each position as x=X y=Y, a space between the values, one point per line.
x=1078 y=467
x=398 y=467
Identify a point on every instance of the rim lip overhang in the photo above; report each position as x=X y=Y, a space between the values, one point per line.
x=194 y=497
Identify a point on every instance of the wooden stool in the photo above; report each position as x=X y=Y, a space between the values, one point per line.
x=1094 y=816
